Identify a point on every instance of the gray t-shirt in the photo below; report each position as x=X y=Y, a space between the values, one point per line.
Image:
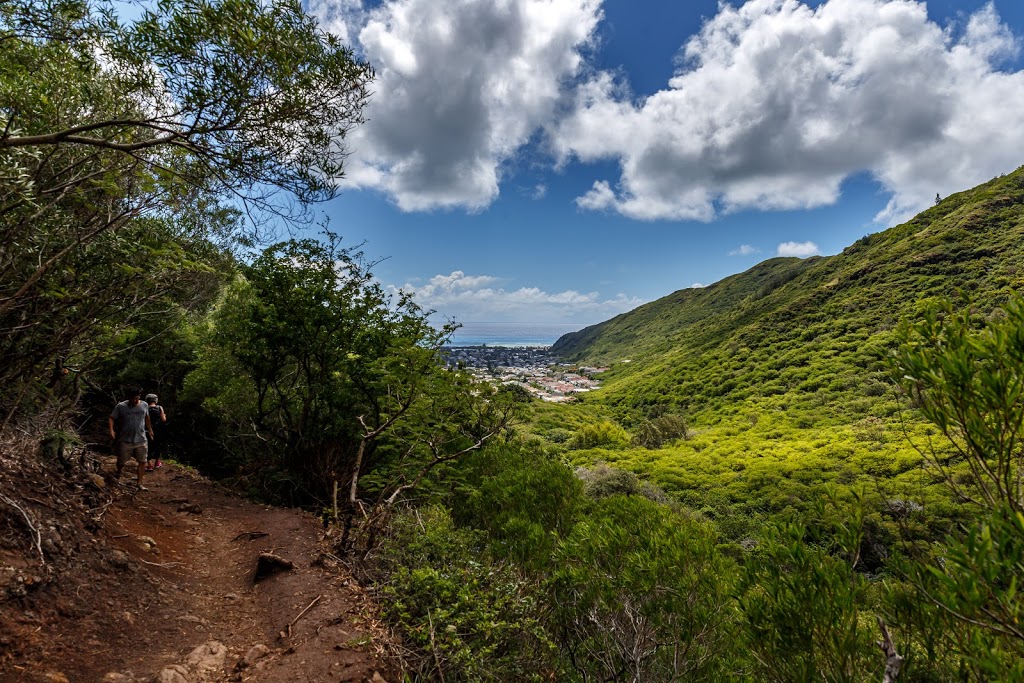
x=131 y=421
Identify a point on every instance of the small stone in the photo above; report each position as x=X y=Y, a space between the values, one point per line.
x=191 y=508
x=97 y=481
x=175 y=673
x=115 y=677
x=146 y=540
x=255 y=653
x=268 y=564
x=128 y=618
x=207 y=659
x=55 y=677
x=118 y=559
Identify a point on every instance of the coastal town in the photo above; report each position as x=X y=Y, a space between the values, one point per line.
x=533 y=368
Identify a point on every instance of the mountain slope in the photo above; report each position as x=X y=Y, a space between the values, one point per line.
x=815 y=324
x=780 y=372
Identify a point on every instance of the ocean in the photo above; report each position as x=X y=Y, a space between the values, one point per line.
x=511 y=334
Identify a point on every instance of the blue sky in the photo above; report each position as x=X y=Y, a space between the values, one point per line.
x=567 y=160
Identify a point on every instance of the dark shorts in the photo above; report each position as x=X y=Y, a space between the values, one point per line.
x=127 y=451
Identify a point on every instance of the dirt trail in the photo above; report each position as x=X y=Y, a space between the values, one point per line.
x=160 y=578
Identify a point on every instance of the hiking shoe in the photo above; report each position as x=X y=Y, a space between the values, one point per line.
x=142 y=488
x=150 y=469
x=159 y=464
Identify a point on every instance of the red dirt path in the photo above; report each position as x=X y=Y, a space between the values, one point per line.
x=132 y=616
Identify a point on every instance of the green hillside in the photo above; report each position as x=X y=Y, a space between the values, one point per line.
x=780 y=371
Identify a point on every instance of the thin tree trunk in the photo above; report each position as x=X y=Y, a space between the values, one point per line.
x=335 y=500
x=893 y=661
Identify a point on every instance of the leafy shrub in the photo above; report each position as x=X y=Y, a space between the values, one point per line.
x=470 y=617
x=640 y=593
x=602 y=481
x=558 y=435
x=523 y=501
x=604 y=434
x=801 y=611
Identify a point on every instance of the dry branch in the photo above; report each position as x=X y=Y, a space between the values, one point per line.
x=36 y=536
x=893 y=661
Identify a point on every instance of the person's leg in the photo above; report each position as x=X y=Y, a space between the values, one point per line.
x=141 y=456
x=121 y=454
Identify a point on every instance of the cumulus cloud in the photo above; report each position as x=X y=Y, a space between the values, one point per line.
x=744 y=250
x=798 y=249
x=461 y=86
x=774 y=104
x=477 y=297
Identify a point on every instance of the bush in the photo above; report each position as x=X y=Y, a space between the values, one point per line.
x=640 y=593
x=604 y=434
x=469 y=617
x=523 y=501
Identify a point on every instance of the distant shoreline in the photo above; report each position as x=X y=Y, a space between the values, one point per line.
x=502 y=345
x=510 y=335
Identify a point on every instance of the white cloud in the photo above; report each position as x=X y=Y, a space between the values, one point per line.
x=798 y=249
x=461 y=86
x=744 y=250
x=599 y=197
x=775 y=104
x=698 y=285
x=476 y=297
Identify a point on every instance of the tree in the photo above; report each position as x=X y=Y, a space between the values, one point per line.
x=319 y=375
x=968 y=380
x=252 y=95
x=156 y=124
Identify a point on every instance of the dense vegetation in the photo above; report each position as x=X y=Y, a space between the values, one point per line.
x=781 y=372
x=129 y=154
x=789 y=458
x=610 y=579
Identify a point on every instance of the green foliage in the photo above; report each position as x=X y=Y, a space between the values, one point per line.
x=314 y=372
x=659 y=428
x=964 y=603
x=524 y=503
x=603 y=481
x=297 y=350
x=802 y=612
x=970 y=384
x=119 y=144
x=640 y=594
x=472 y=617
x=604 y=434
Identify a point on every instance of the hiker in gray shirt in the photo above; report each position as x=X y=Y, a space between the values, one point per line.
x=129 y=424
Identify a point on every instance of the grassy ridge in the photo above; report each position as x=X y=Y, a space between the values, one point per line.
x=781 y=370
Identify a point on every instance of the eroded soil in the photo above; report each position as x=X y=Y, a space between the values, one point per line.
x=155 y=577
